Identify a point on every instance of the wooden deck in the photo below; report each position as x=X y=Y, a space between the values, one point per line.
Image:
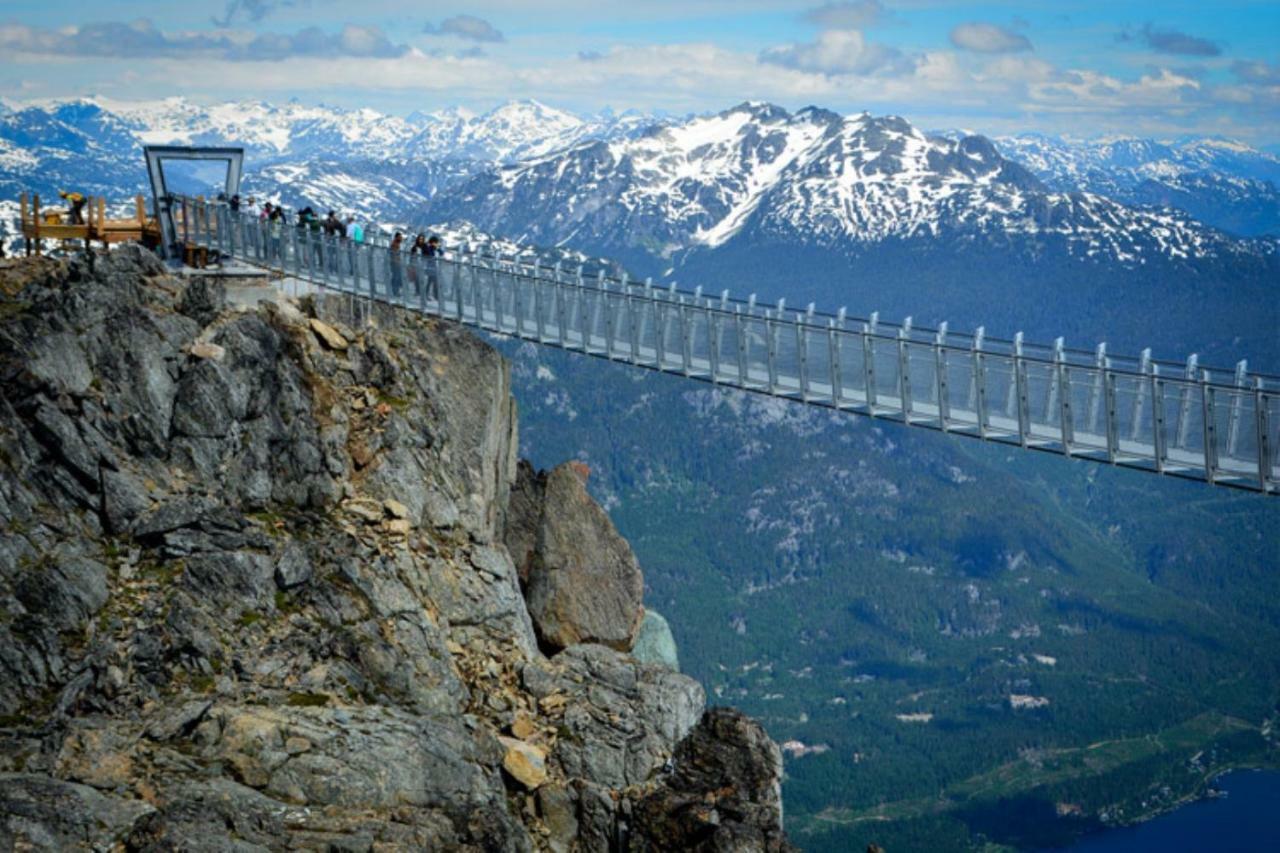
x=96 y=228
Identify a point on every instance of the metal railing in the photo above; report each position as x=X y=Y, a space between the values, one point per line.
x=1184 y=420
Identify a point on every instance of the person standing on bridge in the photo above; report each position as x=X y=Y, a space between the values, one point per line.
x=354 y=231
x=397 y=264
x=433 y=252
x=333 y=230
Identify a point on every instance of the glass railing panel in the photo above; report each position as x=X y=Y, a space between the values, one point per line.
x=699 y=333
x=1237 y=432
x=1088 y=406
x=962 y=390
x=852 y=362
x=755 y=338
x=1001 y=415
x=884 y=354
x=595 y=323
x=922 y=379
x=816 y=343
x=1134 y=416
x=1044 y=401
x=786 y=356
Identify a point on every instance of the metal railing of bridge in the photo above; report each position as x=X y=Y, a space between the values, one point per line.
x=1183 y=420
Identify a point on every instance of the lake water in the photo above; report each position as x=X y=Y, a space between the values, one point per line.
x=1246 y=821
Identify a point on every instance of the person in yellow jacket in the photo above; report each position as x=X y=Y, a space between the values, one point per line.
x=76 y=203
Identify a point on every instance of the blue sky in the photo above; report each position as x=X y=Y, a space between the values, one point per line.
x=1082 y=67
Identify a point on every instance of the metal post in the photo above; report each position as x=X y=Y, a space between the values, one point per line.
x=1184 y=408
x=633 y=318
x=904 y=368
x=1109 y=391
x=609 y=322
x=802 y=348
x=940 y=377
x=1157 y=418
x=1139 y=397
x=1051 y=399
x=560 y=309
x=686 y=338
x=1210 y=427
x=869 y=359
x=742 y=345
x=1237 y=403
x=1020 y=384
x=713 y=337
x=1065 y=421
x=833 y=350
x=980 y=382
x=1261 y=415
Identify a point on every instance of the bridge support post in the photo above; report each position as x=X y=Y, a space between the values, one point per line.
x=1184 y=407
x=1095 y=394
x=1158 y=438
x=1140 y=394
x=940 y=390
x=1020 y=388
x=713 y=335
x=980 y=382
x=834 y=342
x=802 y=353
x=742 y=345
x=1210 y=427
x=904 y=370
x=1109 y=392
x=686 y=337
x=1237 y=404
x=1261 y=418
x=869 y=360
x=1065 y=422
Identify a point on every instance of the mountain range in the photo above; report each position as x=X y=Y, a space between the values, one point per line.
x=959 y=645
x=1017 y=233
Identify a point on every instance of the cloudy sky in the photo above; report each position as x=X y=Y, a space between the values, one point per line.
x=1077 y=66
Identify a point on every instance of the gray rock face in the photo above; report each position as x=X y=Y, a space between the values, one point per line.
x=254 y=593
x=724 y=794
x=583 y=583
x=39 y=813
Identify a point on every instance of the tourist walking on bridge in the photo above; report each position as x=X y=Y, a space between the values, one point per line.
x=433 y=253
x=397 y=264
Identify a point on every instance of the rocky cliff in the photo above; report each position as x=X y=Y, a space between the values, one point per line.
x=257 y=591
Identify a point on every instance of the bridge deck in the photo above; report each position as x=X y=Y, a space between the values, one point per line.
x=1132 y=412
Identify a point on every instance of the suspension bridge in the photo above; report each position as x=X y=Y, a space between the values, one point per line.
x=1183 y=420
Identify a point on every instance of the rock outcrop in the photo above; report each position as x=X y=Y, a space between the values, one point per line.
x=582 y=581
x=257 y=592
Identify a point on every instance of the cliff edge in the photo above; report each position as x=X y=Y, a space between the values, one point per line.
x=257 y=593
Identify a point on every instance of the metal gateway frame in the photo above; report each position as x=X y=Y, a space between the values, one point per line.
x=164 y=200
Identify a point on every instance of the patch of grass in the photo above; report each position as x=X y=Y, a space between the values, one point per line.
x=202 y=683
x=166 y=572
x=249 y=617
x=307 y=700
x=10 y=721
x=285 y=603
x=397 y=403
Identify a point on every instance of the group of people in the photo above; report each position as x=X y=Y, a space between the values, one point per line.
x=421 y=253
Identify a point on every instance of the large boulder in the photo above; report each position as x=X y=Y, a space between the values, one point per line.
x=583 y=583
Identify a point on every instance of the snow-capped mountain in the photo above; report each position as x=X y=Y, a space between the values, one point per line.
x=292 y=131
x=873 y=213
x=1220 y=182
x=813 y=178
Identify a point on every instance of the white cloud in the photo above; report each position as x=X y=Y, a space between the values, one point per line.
x=988 y=38
x=838 y=52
